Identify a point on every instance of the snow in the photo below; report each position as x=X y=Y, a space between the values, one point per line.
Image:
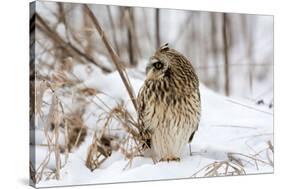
x=227 y=125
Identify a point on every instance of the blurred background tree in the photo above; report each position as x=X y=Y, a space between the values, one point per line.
x=232 y=53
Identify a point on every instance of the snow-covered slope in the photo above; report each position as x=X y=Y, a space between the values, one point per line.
x=227 y=126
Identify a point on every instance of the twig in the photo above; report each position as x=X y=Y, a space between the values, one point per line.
x=270 y=146
x=56 y=120
x=220 y=66
x=235 y=126
x=249 y=107
x=32 y=172
x=42 y=25
x=66 y=141
x=251 y=136
x=250 y=157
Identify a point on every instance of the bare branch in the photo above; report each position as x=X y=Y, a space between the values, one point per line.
x=72 y=50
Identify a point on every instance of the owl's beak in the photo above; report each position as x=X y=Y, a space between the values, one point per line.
x=148 y=67
x=149 y=72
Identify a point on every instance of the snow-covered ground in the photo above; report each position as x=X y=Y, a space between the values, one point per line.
x=235 y=133
x=227 y=126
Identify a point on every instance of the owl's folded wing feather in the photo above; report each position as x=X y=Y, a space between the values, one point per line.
x=141 y=105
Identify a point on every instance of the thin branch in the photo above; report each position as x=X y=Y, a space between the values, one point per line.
x=219 y=66
x=249 y=107
x=115 y=58
x=235 y=126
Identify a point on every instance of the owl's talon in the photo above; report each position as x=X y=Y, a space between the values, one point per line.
x=170 y=159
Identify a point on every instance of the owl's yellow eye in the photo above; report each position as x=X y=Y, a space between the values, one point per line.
x=158 y=65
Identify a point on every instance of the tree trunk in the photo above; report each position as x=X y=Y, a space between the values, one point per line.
x=225 y=48
x=113 y=30
x=130 y=35
x=246 y=30
x=157 y=27
x=215 y=49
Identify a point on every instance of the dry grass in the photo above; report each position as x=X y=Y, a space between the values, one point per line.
x=54 y=118
x=99 y=151
x=236 y=164
x=104 y=142
x=74 y=130
x=223 y=168
x=74 y=127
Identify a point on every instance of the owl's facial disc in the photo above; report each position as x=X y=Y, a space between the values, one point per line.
x=155 y=69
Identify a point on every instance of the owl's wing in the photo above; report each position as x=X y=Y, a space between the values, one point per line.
x=194 y=131
x=191 y=136
x=146 y=134
x=140 y=103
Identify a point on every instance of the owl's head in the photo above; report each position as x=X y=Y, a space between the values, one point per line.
x=168 y=64
x=157 y=66
x=160 y=63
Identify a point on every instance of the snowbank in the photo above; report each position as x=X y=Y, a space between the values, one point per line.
x=227 y=125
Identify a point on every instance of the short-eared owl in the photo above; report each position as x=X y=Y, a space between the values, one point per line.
x=169 y=103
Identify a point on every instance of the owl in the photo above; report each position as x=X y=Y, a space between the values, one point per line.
x=169 y=103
